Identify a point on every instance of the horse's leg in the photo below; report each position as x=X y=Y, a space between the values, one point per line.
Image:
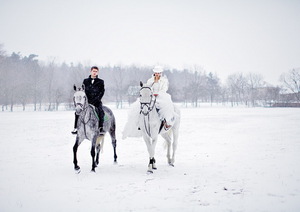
x=175 y=142
x=93 y=153
x=151 y=165
x=167 y=138
x=151 y=151
x=98 y=148
x=154 y=164
x=75 y=147
x=149 y=148
x=112 y=133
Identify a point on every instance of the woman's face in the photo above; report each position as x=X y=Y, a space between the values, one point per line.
x=157 y=74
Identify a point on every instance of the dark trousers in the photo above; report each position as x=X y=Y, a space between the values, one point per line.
x=100 y=113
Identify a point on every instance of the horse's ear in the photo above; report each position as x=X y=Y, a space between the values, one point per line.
x=141 y=83
x=74 y=86
x=83 y=87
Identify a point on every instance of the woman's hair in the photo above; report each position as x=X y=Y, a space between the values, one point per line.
x=94 y=67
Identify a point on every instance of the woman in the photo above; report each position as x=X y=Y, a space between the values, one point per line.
x=164 y=105
x=160 y=85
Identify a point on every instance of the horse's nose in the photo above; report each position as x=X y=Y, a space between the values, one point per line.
x=78 y=109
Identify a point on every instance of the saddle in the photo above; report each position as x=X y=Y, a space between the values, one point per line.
x=97 y=113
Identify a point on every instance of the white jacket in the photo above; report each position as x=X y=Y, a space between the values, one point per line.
x=161 y=86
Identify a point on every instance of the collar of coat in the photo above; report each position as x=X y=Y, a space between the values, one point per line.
x=93 y=78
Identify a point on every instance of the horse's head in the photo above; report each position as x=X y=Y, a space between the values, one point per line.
x=146 y=98
x=80 y=99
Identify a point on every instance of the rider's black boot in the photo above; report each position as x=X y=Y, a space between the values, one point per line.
x=74 y=132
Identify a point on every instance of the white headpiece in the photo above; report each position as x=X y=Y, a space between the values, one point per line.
x=158 y=69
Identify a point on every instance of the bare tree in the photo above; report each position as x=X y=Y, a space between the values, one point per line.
x=119 y=86
x=254 y=81
x=213 y=87
x=236 y=84
x=30 y=80
x=197 y=86
x=3 y=73
x=268 y=94
x=13 y=85
x=291 y=81
x=49 y=83
x=185 y=80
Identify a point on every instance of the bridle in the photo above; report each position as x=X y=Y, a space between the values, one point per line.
x=150 y=106
x=83 y=106
x=83 y=111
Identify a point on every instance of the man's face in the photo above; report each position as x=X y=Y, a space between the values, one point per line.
x=94 y=73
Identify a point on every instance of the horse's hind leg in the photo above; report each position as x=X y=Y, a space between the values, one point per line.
x=175 y=142
x=75 y=147
x=112 y=133
x=167 y=138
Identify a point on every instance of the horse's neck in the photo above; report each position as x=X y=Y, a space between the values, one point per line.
x=86 y=114
x=150 y=124
x=152 y=117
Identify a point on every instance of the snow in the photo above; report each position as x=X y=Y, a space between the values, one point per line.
x=228 y=159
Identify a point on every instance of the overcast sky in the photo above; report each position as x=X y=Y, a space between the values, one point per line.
x=224 y=37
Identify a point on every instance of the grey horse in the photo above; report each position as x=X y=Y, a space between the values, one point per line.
x=88 y=128
x=151 y=126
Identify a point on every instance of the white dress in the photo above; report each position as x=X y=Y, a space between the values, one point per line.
x=163 y=100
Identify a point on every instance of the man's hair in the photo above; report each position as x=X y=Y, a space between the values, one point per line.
x=95 y=67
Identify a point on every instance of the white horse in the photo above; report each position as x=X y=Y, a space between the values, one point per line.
x=151 y=126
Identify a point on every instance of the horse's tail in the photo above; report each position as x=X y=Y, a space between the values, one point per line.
x=100 y=140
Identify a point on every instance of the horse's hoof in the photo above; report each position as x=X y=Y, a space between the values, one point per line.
x=149 y=172
x=93 y=170
x=171 y=164
x=77 y=170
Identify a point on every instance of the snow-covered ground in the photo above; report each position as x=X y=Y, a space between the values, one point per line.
x=228 y=159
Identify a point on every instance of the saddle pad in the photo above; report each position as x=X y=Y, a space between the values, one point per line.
x=105 y=118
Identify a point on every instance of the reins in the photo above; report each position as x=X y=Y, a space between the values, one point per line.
x=83 y=114
x=150 y=106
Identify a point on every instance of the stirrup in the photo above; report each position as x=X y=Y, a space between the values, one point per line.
x=74 y=132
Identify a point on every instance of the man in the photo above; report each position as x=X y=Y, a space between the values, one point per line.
x=94 y=89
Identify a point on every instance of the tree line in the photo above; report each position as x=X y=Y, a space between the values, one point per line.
x=25 y=80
